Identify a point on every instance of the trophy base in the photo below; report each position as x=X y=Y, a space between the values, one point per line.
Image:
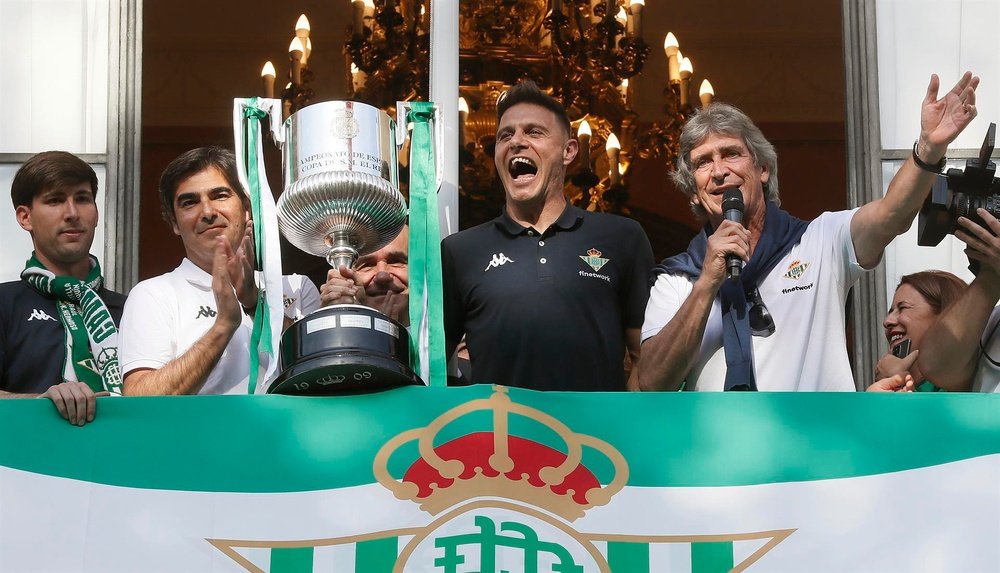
x=344 y=349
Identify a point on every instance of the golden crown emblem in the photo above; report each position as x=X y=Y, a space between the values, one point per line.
x=593 y=253
x=497 y=464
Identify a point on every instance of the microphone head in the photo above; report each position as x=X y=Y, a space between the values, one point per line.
x=732 y=200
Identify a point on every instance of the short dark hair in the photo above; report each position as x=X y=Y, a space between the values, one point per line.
x=528 y=91
x=193 y=162
x=49 y=169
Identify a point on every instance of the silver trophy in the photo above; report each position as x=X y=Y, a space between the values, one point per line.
x=341 y=200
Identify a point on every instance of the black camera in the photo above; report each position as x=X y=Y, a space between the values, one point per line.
x=958 y=194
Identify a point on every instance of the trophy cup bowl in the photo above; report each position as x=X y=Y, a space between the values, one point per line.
x=341 y=200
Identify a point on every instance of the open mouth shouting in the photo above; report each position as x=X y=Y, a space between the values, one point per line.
x=522 y=169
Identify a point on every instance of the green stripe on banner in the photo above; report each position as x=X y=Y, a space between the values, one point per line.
x=712 y=557
x=626 y=557
x=292 y=560
x=669 y=439
x=376 y=555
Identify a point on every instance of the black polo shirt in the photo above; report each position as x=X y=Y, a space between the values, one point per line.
x=32 y=345
x=547 y=311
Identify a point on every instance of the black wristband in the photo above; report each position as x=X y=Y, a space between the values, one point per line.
x=937 y=168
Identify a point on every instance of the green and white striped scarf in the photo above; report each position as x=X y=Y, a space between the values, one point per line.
x=91 y=338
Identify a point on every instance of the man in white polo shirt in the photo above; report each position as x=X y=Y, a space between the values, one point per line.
x=188 y=331
x=779 y=324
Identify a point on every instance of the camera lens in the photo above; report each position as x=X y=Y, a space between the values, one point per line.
x=966 y=205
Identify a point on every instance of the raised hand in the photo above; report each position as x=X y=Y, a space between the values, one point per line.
x=982 y=244
x=229 y=311
x=941 y=120
x=890 y=365
x=241 y=268
x=729 y=238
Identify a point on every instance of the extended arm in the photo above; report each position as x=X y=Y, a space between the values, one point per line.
x=951 y=346
x=187 y=373
x=877 y=223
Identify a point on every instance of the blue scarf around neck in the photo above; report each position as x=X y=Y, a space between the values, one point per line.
x=781 y=232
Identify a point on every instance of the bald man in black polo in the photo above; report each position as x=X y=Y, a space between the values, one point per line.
x=549 y=296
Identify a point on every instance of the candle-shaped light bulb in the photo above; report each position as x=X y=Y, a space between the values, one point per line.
x=286 y=105
x=672 y=49
x=613 y=148
x=359 y=17
x=295 y=49
x=583 y=137
x=268 y=74
x=302 y=27
x=463 y=115
x=670 y=44
x=635 y=10
x=706 y=93
x=686 y=70
x=624 y=89
x=621 y=16
x=612 y=144
x=302 y=33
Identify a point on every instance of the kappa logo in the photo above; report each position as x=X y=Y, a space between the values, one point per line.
x=206 y=311
x=498 y=260
x=495 y=499
x=594 y=259
x=37 y=314
x=796 y=270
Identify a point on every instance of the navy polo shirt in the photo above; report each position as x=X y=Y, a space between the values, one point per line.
x=547 y=311
x=32 y=343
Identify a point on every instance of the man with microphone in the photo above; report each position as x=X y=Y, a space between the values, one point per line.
x=777 y=323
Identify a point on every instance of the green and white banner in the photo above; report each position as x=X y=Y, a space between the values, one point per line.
x=488 y=479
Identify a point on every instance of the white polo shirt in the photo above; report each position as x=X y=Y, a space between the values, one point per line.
x=987 y=378
x=165 y=315
x=805 y=293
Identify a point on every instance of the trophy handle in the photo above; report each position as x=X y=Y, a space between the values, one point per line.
x=403 y=127
x=273 y=108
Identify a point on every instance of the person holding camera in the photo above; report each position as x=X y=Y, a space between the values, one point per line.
x=779 y=325
x=962 y=347
x=917 y=303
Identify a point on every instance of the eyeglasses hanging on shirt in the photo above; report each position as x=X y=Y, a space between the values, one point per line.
x=761 y=322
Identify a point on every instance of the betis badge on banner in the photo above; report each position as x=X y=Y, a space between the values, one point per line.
x=504 y=487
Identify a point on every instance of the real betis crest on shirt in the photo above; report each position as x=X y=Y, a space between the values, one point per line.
x=594 y=259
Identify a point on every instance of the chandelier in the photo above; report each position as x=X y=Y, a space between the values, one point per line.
x=584 y=53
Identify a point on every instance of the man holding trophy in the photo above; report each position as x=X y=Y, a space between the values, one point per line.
x=379 y=280
x=188 y=331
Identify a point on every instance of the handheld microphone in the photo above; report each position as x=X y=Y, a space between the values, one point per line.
x=732 y=210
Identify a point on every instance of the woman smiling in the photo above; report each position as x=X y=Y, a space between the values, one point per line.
x=919 y=299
